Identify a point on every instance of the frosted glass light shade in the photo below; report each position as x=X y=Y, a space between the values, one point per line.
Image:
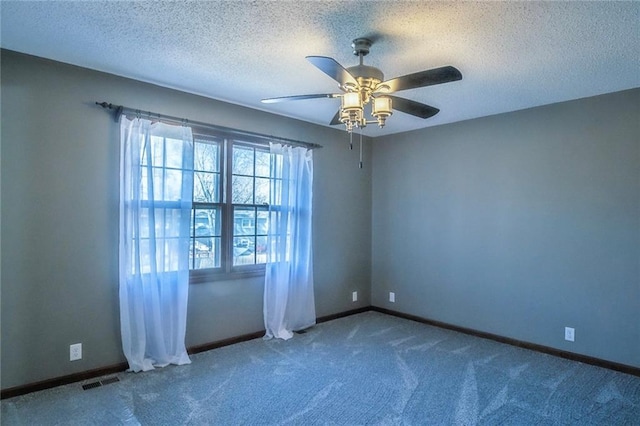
x=351 y=101
x=382 y=106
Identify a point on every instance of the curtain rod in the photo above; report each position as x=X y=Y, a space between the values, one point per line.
x=119 y=110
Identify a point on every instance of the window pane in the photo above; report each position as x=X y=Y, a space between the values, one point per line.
x=174 y=153
x=206 y=223
x=144 y=184
x=145 y=258
x=262 y=190
x=205 y=253
x=263 y=163
x=277 y=165
x=274 y=217
x=169 y=251
x=206 y=156
x=262 y=222
x=157 y=183
x=243 y=251
x=173 y=184
x=157 y=151
x=171 y=222
x=275 y=196
x=206 y=187
x=242 y=161
x=261 y=250
x=244 y=220
x=143 y=152
x=242 y=188
x=143 y=218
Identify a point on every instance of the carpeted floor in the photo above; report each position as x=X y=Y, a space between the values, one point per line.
x=368 y=368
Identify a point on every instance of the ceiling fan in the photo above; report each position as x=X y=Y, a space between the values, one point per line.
x=362 y=85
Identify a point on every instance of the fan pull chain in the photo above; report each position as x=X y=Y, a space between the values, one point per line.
x=360 y=148
x=351 y=141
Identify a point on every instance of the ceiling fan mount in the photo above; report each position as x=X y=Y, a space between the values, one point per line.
x=361 y=46
x=364 y=85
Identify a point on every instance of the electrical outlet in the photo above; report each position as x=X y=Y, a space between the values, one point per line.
x=392 y=297
x=75 y=352
x=569 y=334
x=354 y=296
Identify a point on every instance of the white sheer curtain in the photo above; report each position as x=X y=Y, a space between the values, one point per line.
x=288 y=293
x=156 y=185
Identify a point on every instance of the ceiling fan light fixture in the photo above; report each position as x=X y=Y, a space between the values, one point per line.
x=382 y=109
x=351 y=101
x=352 y=110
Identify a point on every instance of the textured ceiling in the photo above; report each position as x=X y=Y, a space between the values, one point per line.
x=512 y=55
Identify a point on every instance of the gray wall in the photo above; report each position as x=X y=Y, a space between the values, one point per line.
x=59 y=177
x=517 y=224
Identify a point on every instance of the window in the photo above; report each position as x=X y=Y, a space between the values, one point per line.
x=206 y=217
x=250 y=197
x=230 y=216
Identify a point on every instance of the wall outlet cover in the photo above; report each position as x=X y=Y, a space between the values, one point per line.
x=392 y=297
x=75 y=352
x=569 y=334
x=354 y=296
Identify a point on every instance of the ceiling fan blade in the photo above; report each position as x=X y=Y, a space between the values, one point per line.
x=336 y=119
x=298 y=98
x=423 y=78
x=333 y=69
x=413 y=108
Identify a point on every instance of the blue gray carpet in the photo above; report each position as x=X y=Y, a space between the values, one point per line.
x=368 y=368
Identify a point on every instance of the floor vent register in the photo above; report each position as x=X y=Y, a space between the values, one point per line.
x=100 y=383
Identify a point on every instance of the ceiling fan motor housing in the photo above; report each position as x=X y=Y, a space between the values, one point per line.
x=368 y=79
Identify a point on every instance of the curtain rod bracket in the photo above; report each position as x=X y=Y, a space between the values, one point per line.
x=118 y=113
x=119 y=109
